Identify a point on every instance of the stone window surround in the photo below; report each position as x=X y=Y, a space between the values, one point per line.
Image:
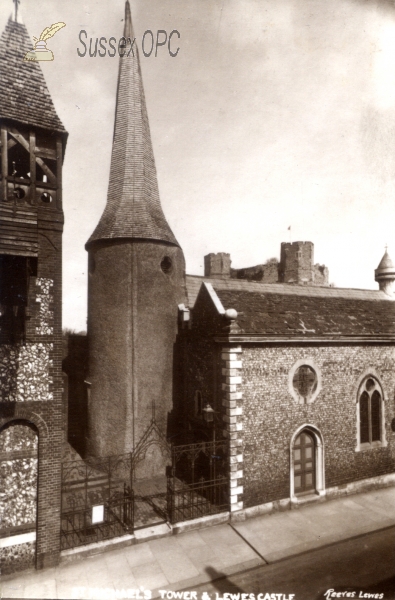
x=370 y=373
x=309 y=362
x=319 y=460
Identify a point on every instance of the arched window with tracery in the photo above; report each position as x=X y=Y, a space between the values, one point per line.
x=370 y=412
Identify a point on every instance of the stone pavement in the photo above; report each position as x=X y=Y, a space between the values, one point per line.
x=185 y=560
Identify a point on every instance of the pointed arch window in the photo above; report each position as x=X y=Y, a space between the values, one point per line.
x=370 y=413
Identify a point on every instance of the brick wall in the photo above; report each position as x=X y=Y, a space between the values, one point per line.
x=131 y=343
x=271 y=416
x=31 y=391
x=250 y=390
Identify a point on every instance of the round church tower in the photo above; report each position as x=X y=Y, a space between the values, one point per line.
x=136 y=281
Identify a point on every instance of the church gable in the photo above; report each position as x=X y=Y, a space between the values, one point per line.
x=208 y=312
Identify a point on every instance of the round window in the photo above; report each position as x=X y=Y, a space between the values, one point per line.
x=305 y=382
x=166 y=264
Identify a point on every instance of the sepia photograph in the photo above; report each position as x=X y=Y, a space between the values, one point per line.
x=197 y=299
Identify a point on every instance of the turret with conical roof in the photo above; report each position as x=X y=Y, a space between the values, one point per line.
x=136 y=281
x=385 y=274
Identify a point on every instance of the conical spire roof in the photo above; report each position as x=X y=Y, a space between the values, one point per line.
x=24 y=94
x=385 y=263
x=133 y=207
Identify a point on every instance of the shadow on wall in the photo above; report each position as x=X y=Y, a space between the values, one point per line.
x=175 y=419
x=75 y=366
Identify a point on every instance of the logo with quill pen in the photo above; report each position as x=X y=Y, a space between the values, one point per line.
x=41 y=52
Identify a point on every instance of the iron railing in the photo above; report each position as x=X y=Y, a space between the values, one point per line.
x=94 y=480
x=191 y=501
x=197 y=485
x=192 y=462
x=104 y=482
x=78 y=527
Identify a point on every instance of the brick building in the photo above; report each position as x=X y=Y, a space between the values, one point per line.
x=31 y=223
x=300 y=378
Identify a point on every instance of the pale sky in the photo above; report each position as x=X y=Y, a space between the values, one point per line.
x=274 y=113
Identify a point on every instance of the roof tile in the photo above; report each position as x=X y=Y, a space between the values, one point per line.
x=133 y=207
x=301 y=311
x=310 y=316
x=24 y=94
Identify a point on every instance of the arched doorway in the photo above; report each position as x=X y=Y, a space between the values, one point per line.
x=304 y=463
x=18 y=496
x=307 y=474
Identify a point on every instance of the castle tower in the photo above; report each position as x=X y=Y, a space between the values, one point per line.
x=297 y=265
x=217 y=265
x=31 y=223
x=385 y=274
x=136 y=281
x=296 y=262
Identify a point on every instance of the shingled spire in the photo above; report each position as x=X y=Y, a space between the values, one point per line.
x=133 y=207
x=24 y=94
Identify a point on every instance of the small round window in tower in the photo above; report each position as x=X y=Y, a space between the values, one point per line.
x=305 y=382
x=166 y=265
x=46 y=198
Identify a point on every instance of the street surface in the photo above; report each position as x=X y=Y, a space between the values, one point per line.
x=363 y=567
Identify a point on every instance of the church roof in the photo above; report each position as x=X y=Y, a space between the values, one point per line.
x=24 y=94
x=290 y=311
x=194 y=283
x=133 y=207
